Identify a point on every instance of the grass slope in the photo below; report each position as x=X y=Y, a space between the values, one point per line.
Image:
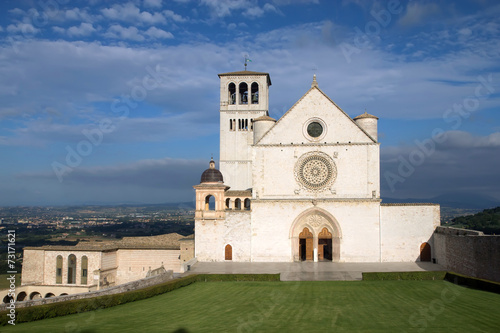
x=366 y=306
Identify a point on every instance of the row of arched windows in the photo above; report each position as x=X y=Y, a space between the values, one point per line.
x=238 y=204
x=242 y=95
x=241 y=124
x=72 y=267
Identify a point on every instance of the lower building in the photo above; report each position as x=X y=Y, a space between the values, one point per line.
x=58 y=270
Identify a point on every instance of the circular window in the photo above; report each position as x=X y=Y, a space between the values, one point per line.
x=315 y=171
x=314 y=129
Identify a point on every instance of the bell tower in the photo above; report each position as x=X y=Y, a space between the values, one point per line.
x=244 y=96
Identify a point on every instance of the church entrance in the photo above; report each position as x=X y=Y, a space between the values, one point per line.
x=325 y=245
x=315 y=235
x=306 y=246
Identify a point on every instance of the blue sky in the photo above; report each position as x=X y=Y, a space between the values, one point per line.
x=117 y=101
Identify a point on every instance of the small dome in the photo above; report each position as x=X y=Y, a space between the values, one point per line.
x=211 y=175
x=264 y=118
x=365 y=115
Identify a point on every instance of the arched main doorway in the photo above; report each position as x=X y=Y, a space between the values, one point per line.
x=315 y=235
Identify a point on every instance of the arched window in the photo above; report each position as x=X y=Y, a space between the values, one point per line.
x=49 y=295
x=230 y=124
x=243 y=93
x=232 y=93
x=35 y=295
x=228 y=252
x=71 y=269
x=247 y=204
x=228 y=203
x=85 y=263
x=59 y=264
x=21 y=296
x=237 y=204
x=255 y=93
x=209 y=202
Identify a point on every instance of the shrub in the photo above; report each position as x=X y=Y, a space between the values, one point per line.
x=415 y=276
x=471 y=282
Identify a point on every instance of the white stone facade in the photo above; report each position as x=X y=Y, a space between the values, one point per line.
x=314 y=187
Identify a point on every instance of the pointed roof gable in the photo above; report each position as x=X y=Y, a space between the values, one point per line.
x=316 y=109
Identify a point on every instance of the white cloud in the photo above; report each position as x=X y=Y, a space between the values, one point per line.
x=84 y=29
x=294 y=2
x=154 y=32
x=23 y=28
x=116 y=31
x=418 y=13
x=130 y=13
x=173 y=16
x=153 y=3
x=17 y=11
x=249 y=8
x=59 y=30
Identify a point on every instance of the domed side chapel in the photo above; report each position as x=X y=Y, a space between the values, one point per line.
x=304 y=187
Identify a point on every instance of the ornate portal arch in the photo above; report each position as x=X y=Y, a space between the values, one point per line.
x=326 y=236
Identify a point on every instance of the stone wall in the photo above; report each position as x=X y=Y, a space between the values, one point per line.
x=404 y=227
x=468 y=252
x=134 y=264
x=212 y=236
x=33 y=267
x=143 y=283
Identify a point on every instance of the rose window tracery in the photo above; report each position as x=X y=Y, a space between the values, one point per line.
x=315 y=171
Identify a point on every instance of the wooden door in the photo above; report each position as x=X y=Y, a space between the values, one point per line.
x=321 y=249
x=307 y=237
x=425 y=252
x=309 y=249
x=228 y=252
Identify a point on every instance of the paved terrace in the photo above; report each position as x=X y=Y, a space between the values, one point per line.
x=311 y=271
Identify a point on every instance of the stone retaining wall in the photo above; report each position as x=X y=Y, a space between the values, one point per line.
x=468 y=252
x=139 y=284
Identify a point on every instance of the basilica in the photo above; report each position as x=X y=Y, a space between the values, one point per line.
x=305 y=187
x=302 y=187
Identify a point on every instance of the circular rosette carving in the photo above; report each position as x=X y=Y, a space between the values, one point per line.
x=315 y=171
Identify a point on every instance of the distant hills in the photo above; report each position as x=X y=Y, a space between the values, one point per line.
x=487 y=221
x=453 y=200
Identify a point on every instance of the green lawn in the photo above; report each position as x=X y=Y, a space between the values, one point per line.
x=364 y=306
